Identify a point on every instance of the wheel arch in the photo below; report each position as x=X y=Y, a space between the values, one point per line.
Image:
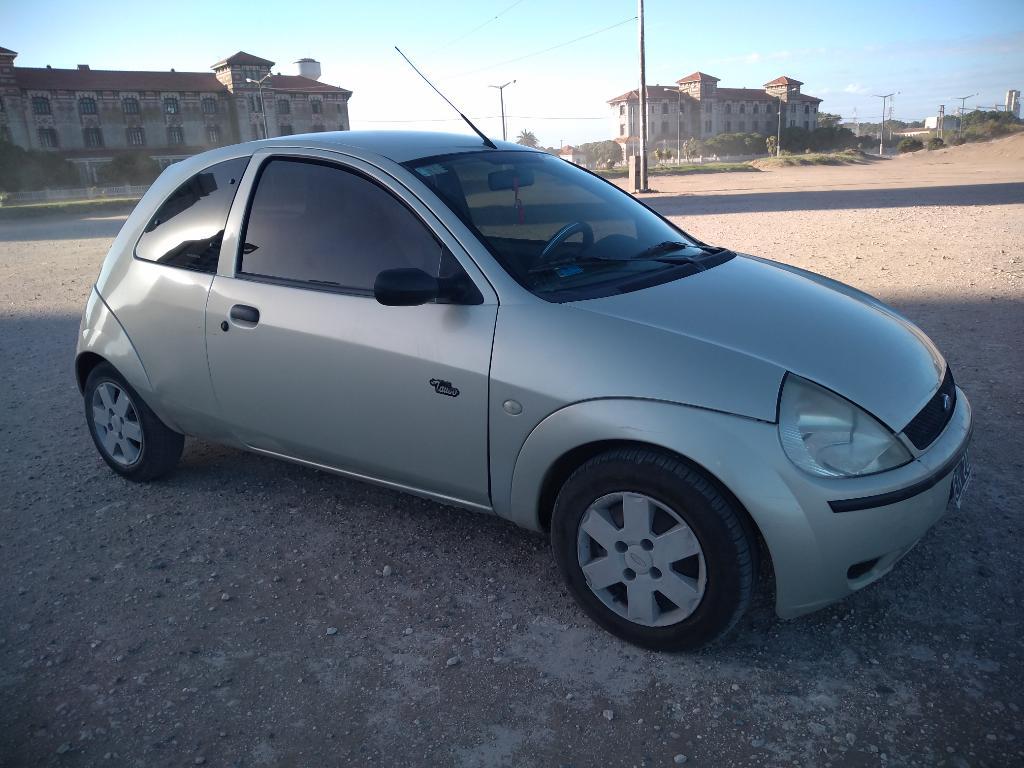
x=84 y=365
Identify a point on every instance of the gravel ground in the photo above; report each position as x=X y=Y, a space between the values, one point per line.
x=247 y=612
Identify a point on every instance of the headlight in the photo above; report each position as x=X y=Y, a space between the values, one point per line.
x=826 y=435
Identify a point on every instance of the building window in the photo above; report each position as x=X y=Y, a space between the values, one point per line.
x=807 y=125
x=284 y=107
x=664 y=127
x=728 y=126
x=743 y=108
x=40 y=105
x=792 y=123
x=130 y=106
x=707 y=126
x=170 y=106
x=48 y=138
x=136 y=136
x=317 y=106
x=255 y=104
x=792 y=108
x=753 y=109
x=767 y=109
x=728 y=108
x=664 y=107
x=5 y=134
x=340 y=107
x=209 y=106
x=92 y=136
x=213 y=134
x=707 y=106
x=622 y=109
x=175 y=135
x=87 y=106
x=807 y=109
x=622 y=129
x=285 y=130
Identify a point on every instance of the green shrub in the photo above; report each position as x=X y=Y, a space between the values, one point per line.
x=909 y=145
x=935 y=143
x=958 y=141
x=132 y=168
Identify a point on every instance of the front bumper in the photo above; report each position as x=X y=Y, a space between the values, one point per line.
x=830 y=537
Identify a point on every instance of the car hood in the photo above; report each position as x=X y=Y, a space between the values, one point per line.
x=812 y=326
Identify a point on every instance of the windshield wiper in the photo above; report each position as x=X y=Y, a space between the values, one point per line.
x=589 y=260
x=665 y=247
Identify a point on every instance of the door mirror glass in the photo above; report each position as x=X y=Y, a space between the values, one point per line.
x=405 y=287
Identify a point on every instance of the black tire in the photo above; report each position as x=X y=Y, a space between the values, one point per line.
x=725 y=536
x=160 y=446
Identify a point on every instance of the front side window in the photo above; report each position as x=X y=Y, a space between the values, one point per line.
x=130 y=105
x=87 y=106
x=213 y=134
x=40 y=105
x=317 y=106
x=560 y=231
x=175 y=135
x=136 y=136
x=187 y=229
x=171 y=106
x=284 y=107
x=330 y=228
x=209 y=106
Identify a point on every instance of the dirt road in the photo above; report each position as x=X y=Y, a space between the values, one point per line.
x=189 y=622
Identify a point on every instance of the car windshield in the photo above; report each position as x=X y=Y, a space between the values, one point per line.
x=561 y=232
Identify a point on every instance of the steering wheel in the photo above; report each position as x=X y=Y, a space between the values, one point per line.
x=564 y=234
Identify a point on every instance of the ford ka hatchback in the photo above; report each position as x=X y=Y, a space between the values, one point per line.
x=494 y=328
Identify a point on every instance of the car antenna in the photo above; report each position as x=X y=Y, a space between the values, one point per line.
x=477 y=131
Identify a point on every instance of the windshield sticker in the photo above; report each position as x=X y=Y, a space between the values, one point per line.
x=568 y=271
x=431 y=170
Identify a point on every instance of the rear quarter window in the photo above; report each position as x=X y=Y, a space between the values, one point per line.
x=187 y=229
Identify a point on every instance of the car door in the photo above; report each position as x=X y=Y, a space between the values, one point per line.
x=305 y=362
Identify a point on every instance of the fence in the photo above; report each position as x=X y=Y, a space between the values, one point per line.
x=83 y=193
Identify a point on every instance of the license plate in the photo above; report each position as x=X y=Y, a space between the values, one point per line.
x=961 y=479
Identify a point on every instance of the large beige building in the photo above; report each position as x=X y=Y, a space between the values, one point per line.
x=696 y=106
x=90 y=115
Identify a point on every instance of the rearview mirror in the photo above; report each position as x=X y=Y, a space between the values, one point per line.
x=509 y=179
x=405 y=287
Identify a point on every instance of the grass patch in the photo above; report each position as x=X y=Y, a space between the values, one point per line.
x=682 y=170
x=76 y=207
x=846 y=157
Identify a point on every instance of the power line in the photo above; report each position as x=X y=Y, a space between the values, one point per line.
x=480 y=26
x=546 y=50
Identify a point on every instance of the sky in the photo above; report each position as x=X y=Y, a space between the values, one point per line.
x=929 y=52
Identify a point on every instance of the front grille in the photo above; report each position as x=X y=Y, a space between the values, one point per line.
x=935 y=415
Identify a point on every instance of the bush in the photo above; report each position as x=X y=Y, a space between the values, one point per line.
x=22 y=169
x=958 y=141
x=909 y=145
x=935 y=143
x=133 y=168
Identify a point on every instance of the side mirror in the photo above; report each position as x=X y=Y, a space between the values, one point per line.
x=406 y=287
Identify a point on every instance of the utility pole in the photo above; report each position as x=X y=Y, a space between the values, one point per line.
x=881 y=131
x=960 y=121
x=501 y=95
x=679 y=110
x=778 y=138
x=643 y=101
x=856 y=124
x=940 y=120
x=263 y=107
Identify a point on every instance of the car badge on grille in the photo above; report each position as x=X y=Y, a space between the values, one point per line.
x=947 y=401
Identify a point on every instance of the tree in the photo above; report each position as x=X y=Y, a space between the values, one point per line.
x=935 y=143
x=773 y=145
x=132 y=168
x=527 y=139
x=22 y=169
x=689 y=148
x=909 y=145
x=828 y=120
x=600 y=153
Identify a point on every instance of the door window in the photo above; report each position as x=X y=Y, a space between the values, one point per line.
x=314 y=223
x=188 y=228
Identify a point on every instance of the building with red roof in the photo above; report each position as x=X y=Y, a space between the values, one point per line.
x=90 y=116
x=697 y=107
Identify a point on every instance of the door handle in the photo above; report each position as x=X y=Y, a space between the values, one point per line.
x=245 y=314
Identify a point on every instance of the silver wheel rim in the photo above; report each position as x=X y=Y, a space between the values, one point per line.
x=115 y=422
x=641 y=559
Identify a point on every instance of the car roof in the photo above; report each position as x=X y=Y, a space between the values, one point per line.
x=399 y=146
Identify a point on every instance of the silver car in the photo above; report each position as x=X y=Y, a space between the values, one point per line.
x=497 y=329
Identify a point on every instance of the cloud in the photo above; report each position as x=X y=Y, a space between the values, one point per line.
x=855 y=88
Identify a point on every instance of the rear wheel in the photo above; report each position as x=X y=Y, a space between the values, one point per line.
x=129 y=436
x=652 y=551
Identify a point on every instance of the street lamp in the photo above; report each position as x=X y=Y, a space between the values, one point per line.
x=881 y=131
x=778 y=138
x=263 y=106
x=960 y=120
x=501 y=95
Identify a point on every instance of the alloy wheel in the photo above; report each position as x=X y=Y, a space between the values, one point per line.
x=115 y=422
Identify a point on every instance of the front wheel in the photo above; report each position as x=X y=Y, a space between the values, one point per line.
x=129 y=436
x=652 y=551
